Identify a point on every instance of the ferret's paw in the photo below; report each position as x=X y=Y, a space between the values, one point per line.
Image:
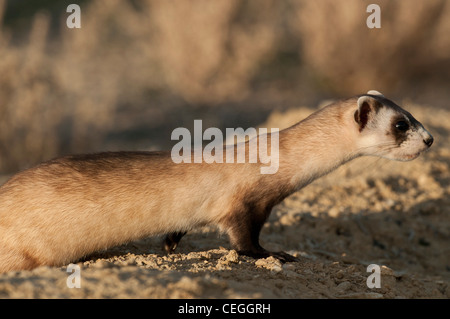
x=171 y=241
x=284 y=257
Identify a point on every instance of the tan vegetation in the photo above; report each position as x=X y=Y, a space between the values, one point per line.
x=410 y=45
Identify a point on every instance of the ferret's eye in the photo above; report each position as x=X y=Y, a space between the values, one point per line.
x=401 y=126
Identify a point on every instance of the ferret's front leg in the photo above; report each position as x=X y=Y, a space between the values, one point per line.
x=244 y=230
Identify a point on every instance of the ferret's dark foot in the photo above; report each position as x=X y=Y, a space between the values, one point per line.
x=284 y=257
x=171 y=241
x=280 y=255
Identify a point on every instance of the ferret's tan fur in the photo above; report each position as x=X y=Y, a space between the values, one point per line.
x=67 y=208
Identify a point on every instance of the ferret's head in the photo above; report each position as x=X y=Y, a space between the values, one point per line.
x=387 y=130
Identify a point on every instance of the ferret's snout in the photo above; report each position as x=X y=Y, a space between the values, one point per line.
x=429 y=140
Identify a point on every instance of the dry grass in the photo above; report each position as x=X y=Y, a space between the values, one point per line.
x=411 y=47
x=65 y=94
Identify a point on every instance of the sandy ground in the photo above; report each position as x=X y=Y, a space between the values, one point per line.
x=371 y=211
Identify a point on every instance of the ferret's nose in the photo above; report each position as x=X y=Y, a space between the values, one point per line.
x=428 y=141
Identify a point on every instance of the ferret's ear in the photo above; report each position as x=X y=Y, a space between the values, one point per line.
x=366 y=105
x=373 y=92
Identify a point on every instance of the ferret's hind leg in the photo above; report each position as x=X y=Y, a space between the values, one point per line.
x=171 y=241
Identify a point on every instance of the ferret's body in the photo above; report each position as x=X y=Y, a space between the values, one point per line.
x=70 y=207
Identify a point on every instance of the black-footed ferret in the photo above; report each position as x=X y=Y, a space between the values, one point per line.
x=67 y=208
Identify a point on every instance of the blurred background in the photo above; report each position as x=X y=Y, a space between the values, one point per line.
x=138 y=69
